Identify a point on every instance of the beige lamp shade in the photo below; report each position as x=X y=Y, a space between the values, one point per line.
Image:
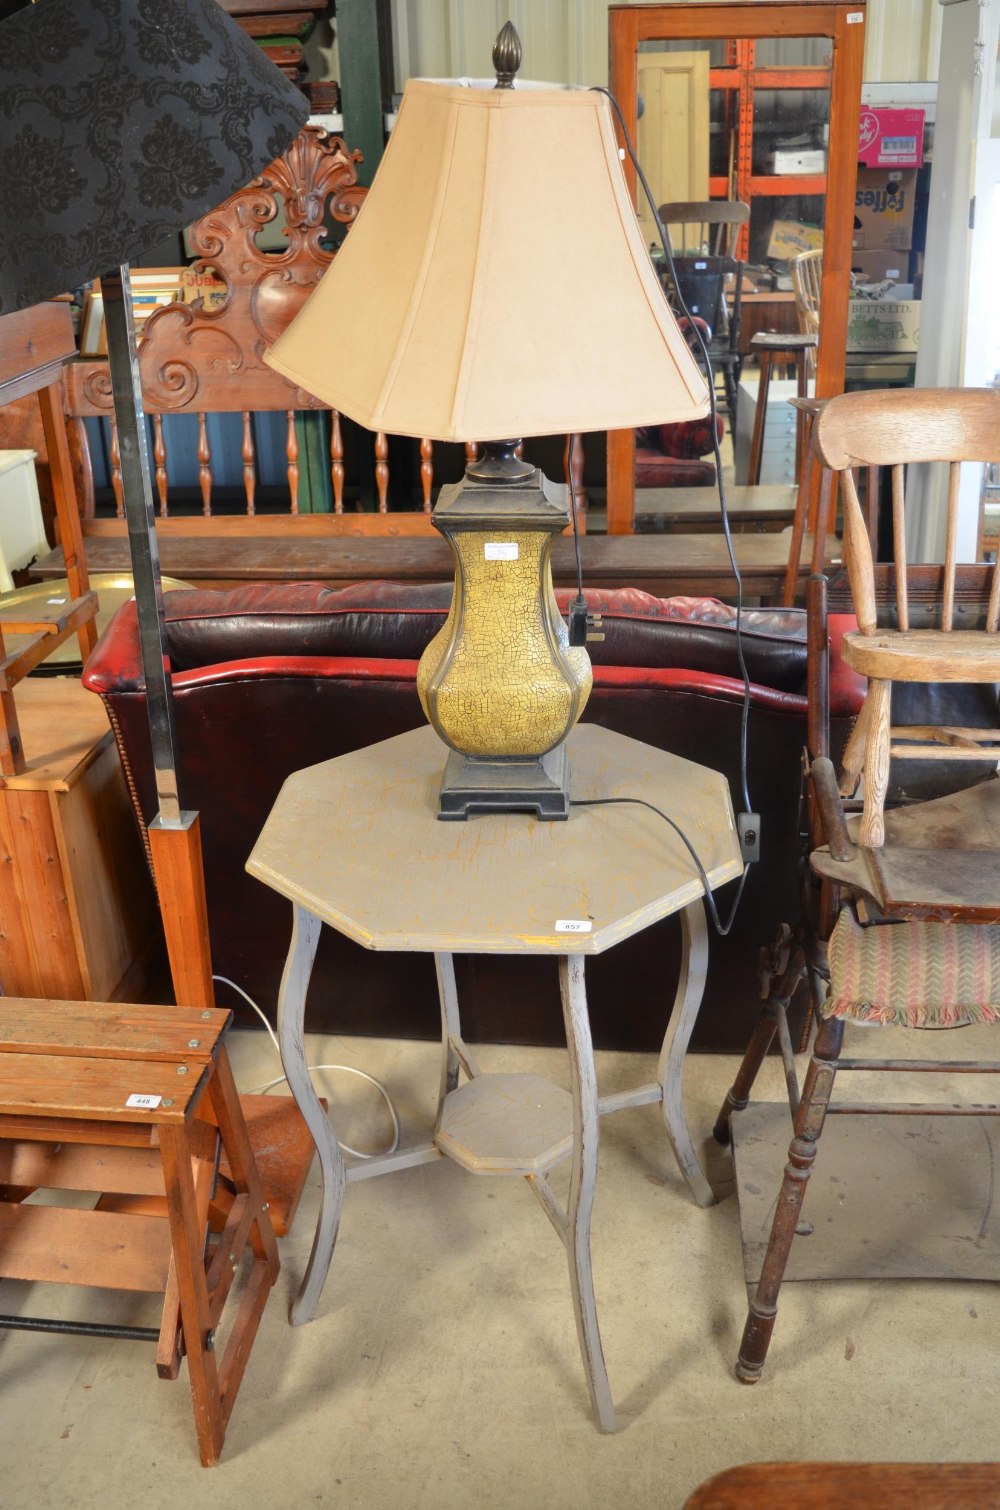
x=495 y=283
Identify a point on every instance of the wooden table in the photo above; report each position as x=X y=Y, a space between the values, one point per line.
x=499 y=885
x=768 y=311
x=851 y=1486
x=760 y=510
x=325 y=548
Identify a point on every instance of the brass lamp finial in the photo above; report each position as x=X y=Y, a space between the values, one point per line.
x=506 y=56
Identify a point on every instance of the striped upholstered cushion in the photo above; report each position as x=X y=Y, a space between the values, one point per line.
x=914 y=975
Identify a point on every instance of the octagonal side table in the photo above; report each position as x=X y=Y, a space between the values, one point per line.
x=499 y=884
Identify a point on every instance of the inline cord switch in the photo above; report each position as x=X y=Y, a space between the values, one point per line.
x=748 y=828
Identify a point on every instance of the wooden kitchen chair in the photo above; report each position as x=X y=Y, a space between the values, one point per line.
x=807 y=283
x=913 y=928
x=899 y=428
x=940 y=857
x=911 y=974
x=703 y=236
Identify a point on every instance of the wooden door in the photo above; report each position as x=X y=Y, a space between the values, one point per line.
x=673 y=129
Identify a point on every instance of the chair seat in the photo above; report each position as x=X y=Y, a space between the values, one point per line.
x=925 y=655
x=914 y=975
x=776 y=340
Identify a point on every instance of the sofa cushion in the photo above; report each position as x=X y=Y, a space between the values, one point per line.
x=654 y=470
x=395 y=621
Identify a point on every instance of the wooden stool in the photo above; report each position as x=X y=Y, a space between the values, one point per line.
x=137 y=1102
x=771 y=347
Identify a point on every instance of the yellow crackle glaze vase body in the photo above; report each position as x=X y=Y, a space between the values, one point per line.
x=500 y=678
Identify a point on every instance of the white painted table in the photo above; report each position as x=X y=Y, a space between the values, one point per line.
x=355 y=843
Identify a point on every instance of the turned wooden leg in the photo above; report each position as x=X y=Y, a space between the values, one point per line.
x=776 y=1000
x=738 y=1095
x=801 y=1156
x=876 y=766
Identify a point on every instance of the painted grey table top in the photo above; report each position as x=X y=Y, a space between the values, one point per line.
x=356 y=841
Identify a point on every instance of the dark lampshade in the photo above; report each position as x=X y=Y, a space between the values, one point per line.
x=120 y=122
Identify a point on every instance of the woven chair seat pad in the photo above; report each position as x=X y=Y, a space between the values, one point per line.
x=914 y=975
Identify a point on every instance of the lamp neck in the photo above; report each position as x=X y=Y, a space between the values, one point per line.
x=499 y=464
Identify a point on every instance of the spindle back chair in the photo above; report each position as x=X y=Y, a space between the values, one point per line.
x=900 y=428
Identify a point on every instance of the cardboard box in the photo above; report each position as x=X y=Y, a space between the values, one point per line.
x=883 y=324
x=883 y=209
x=799 y=161
x=874 y=267
x=790 y=237
x=891 y=138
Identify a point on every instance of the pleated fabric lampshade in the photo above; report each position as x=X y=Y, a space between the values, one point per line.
x=496 y=282
x=120 y=122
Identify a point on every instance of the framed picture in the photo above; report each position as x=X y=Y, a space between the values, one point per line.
x=151 y=287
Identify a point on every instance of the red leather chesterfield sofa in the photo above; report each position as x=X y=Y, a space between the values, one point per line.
x=269 y=679
x=674 y=456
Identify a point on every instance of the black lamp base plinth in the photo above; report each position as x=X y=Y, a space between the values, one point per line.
x=474 y=784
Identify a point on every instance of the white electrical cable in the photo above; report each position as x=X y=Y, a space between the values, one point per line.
x=348 y=1069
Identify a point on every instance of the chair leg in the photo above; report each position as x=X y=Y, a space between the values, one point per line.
x=757 y=438
x=730 y=381
x=782 y=964
x=195 y=1308
x=852 y=760
x=801 y=1156
x=801 y=391
x=876 y=767
x=738 y=1095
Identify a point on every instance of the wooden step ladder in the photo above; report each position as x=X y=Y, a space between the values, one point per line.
x=135 y=1101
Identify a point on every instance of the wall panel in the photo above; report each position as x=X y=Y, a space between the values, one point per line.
x=565 y=41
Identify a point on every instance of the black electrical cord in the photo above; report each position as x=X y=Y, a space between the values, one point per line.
x=713 y=419
x=721 y=928
x=580 y=605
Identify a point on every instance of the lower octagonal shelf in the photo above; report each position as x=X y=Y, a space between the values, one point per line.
x=507 y=1124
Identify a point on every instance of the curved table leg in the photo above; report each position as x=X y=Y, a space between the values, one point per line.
x=444 y=966
x=690 y=989
x=583 y=1179
x=291 y=1014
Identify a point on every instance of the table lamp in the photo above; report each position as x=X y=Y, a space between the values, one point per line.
x=120 y=122
x=496 y=285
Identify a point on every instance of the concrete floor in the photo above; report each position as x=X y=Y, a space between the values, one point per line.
x=443 y=1368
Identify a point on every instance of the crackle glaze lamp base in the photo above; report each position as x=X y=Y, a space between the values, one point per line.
x=496 y=284
x=500 y=682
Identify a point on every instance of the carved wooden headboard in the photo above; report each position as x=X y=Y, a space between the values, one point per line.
x=200 y=361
